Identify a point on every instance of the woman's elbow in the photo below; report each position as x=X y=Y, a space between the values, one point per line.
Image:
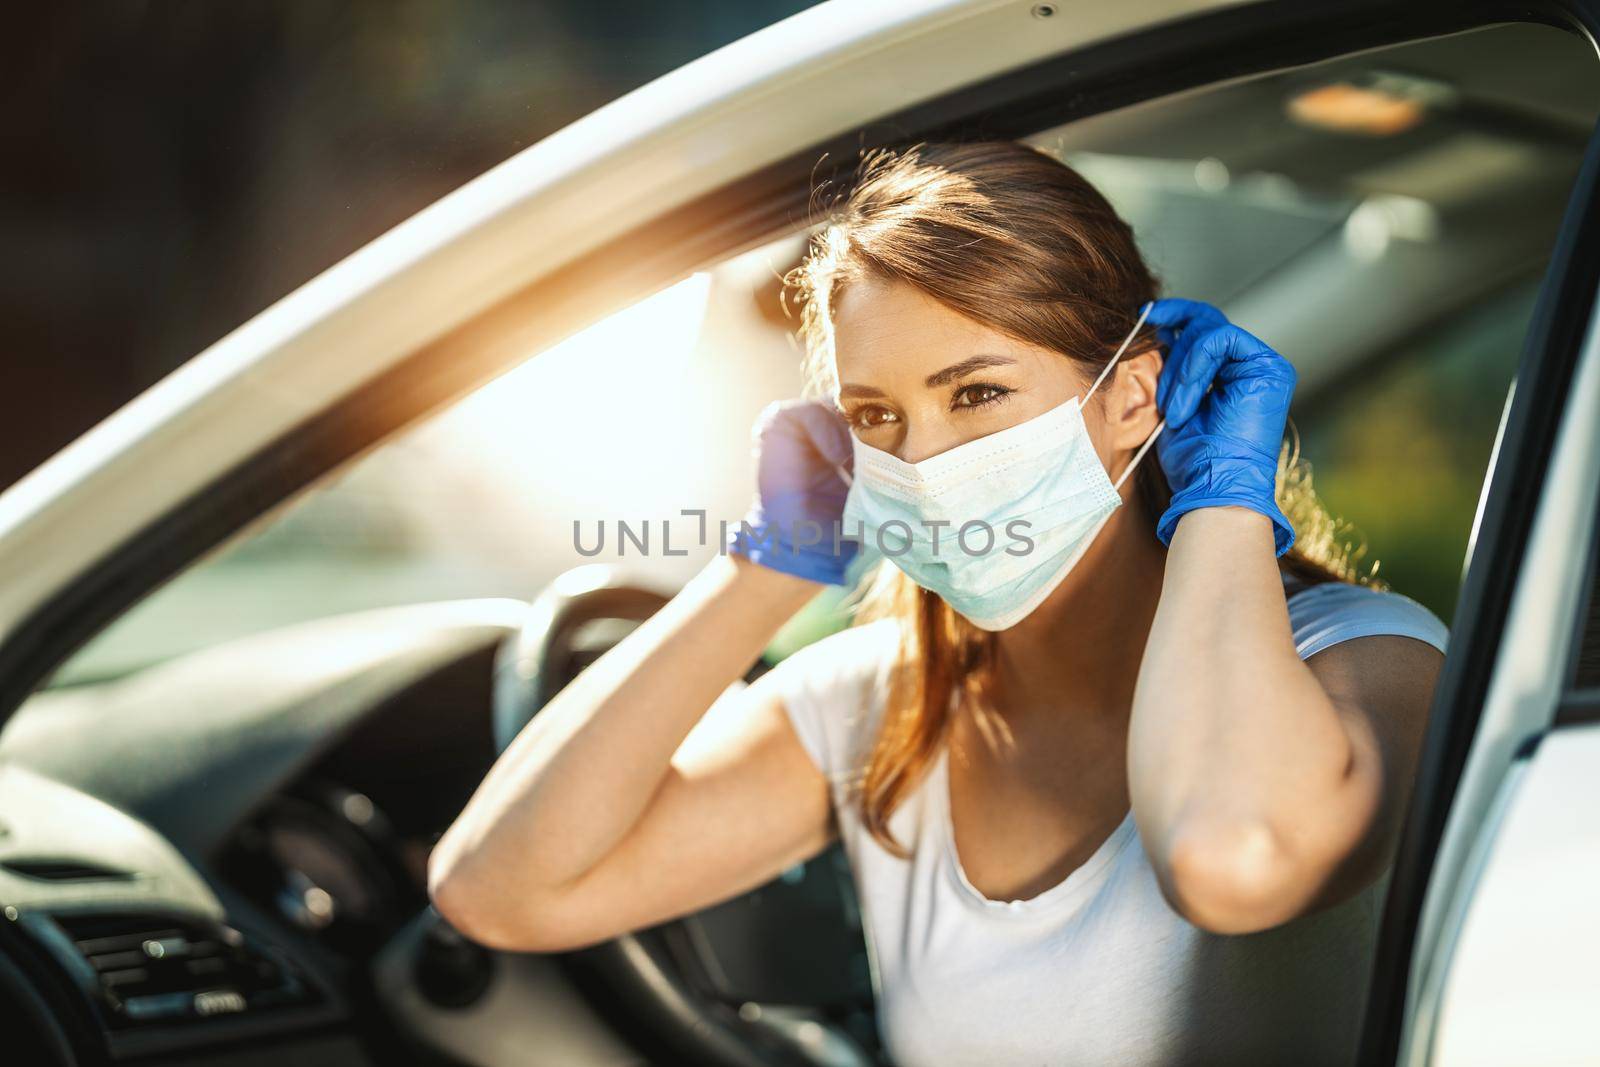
x=461 y=899
x=472 y=906
x=456 y=899
x=1233 y=877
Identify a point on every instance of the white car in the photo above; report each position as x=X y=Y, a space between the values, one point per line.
x=263 y=629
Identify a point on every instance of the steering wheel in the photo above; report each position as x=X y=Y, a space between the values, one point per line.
x=663 y=977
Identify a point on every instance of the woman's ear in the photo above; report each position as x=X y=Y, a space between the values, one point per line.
x=1135 y=416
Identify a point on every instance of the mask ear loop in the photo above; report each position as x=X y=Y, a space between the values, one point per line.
x=1144 y=313
x=844 y=475
x=1137 y=456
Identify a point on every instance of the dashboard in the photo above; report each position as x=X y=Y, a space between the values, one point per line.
x=221 y=860
x=200 y=861
x=341 y=853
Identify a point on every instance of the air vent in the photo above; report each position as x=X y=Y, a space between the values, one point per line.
x=48 y=870
x=157 y=969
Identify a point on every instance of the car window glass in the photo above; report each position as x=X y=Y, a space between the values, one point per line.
x=1586 y=664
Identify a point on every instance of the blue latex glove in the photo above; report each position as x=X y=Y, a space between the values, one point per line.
x=1220 y=447
x=800 y=447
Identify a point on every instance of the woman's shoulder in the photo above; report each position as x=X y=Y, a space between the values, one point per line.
x=841 y=668
x=861 y=646
x=1326 y=613
x=832 y=688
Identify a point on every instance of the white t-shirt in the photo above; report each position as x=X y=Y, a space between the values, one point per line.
x=1097 y=969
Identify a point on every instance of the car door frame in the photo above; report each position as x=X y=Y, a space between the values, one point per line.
x=1514 y=498
x=1205 y=49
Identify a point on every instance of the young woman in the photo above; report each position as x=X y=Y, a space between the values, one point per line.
x=1120 y=787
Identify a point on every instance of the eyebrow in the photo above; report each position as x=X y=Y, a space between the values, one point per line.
x=954 y=372
x=957 y=371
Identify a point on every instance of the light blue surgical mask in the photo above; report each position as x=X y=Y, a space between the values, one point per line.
x=994 y=525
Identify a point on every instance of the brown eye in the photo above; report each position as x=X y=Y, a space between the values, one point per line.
x=870 y=416
x=979 y=394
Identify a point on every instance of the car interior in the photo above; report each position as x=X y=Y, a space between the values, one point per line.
x=215 y=816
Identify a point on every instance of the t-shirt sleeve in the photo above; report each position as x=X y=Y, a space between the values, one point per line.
x=1324 y=615
x=832 y=690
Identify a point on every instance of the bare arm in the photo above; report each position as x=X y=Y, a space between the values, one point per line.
x=1264 y=786
x=601 y=817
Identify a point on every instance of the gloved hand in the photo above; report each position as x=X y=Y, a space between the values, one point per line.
x=1220 y=447
x=800 y=447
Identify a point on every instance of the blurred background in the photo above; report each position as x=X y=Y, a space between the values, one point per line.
x=1384 y=221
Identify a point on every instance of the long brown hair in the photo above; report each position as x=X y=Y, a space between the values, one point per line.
x=1013 y=238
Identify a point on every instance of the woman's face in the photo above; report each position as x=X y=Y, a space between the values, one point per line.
x=916 y=378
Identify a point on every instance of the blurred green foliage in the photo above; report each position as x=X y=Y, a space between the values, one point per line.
x=1401 y=448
